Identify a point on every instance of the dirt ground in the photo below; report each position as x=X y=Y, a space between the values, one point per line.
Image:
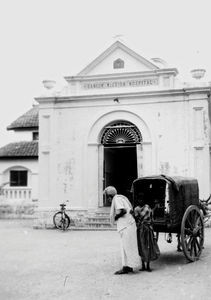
x=79 y=265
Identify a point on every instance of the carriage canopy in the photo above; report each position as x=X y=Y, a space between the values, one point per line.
x=172 y=195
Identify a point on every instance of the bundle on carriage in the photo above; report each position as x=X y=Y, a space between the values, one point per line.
x=176 y=209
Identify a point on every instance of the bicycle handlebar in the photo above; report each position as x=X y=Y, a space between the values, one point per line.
x=64 y=203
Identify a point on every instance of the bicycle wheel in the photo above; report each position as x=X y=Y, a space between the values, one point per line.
x=61 y=222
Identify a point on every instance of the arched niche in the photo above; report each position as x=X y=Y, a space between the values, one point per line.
x=98 y=126
x=95 y=156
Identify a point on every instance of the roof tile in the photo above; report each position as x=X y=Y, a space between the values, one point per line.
x=27 y=120
x=19 y=149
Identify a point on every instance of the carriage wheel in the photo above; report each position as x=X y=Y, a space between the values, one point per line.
x=192 y=233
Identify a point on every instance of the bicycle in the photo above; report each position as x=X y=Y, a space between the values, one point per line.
x=61 y=220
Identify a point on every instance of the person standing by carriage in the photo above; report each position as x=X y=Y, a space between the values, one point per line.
x=126 y=227
x=147 y=243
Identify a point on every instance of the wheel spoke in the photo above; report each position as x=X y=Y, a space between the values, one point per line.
x=195 y=213
x=195 y=250
x=189 y=243
x=197 y=243
x=189 y=222
x=199 y=230
x=191 y=248
x=200 y=226
x=188 y=231
x=192 y=214
x=200 y=237
x=198 y=221
x=188 y=239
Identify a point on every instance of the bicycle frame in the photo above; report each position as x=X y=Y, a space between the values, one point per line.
x=61 y=220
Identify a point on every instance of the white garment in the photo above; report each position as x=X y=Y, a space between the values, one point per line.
x=121 y=202
x=126 y=227
x=129 y=247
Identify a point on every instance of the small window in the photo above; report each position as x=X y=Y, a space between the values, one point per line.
x=118 y=64
x=35 y=135
x=18 y=178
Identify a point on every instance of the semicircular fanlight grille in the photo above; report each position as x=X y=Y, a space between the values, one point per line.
x=120 y=133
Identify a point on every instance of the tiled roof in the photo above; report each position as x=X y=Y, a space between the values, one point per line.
x=27 y=120
x=27 y=149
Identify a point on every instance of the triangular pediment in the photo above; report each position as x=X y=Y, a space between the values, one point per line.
x=118 y=58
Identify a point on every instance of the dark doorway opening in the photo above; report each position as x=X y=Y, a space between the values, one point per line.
x=120 y=168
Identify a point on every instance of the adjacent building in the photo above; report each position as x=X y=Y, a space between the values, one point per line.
x=19 y=167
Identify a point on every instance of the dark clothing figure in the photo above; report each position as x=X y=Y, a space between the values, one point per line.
x=147 y=244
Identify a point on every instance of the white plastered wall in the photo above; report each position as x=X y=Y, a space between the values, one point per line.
x=71 y=154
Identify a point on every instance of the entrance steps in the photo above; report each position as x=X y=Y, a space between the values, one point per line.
x=98 y=220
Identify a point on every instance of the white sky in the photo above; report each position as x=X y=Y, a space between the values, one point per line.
x=50 y=39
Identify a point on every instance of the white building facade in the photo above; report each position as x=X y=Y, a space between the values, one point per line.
x=120 y=118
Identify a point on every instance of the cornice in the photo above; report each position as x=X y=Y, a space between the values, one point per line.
x=131 y=95
x=168 y=71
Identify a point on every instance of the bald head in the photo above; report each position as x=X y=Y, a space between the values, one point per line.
x=110 y=191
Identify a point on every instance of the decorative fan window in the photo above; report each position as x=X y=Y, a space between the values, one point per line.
x=118 y=64
x=121 y=133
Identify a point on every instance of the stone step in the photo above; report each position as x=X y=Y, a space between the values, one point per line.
x=102 y=213
x=92 y=228
x=98 y=224
x=99 y=219
x=99 y=216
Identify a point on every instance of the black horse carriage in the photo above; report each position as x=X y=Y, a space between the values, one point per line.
x=176 y=209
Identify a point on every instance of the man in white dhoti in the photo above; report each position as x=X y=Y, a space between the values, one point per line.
x=126 y=226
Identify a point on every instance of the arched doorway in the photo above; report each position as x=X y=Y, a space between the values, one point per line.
x=120 y=140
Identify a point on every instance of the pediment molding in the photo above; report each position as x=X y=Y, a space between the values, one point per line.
x=112 y=48
x=169 y=71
